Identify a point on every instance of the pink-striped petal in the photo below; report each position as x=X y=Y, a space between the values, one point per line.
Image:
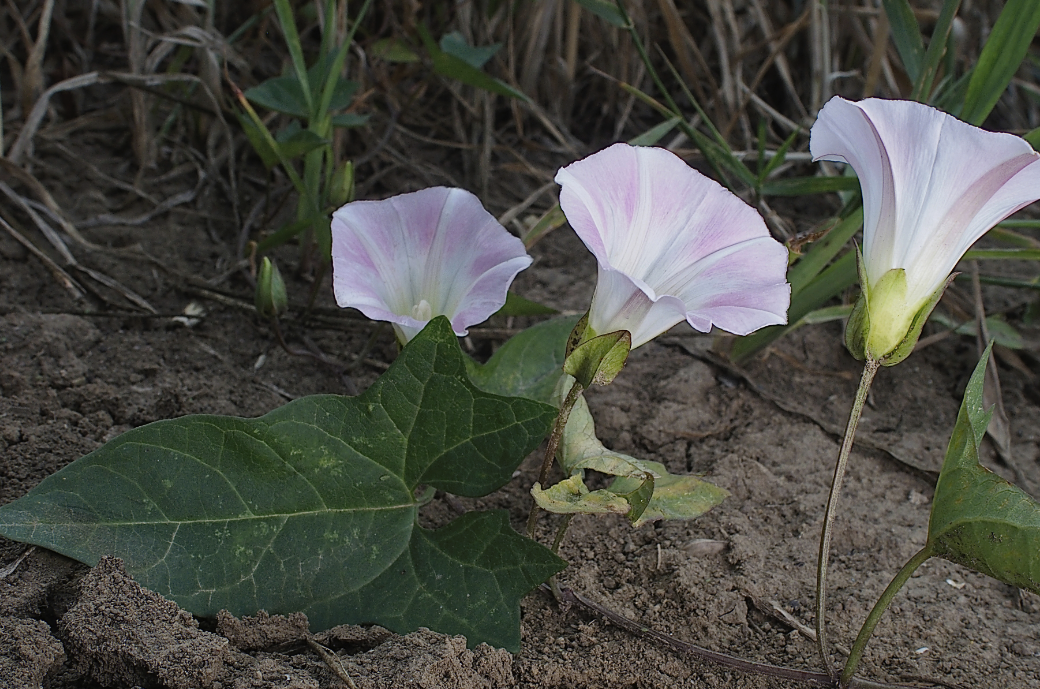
x=428 y=253
x=932 y=185
x=690 y=247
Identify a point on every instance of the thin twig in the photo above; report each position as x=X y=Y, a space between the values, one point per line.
x=57 y=271
x=813 y=679
x=331 y=660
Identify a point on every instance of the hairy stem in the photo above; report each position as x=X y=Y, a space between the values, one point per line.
x=878 y=610
x=869 y=370
x=553 y=445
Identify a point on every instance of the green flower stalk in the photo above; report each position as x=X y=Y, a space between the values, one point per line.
x=932 y=185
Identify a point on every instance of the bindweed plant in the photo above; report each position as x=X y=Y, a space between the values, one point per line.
x=314 y=506
x=932 y=185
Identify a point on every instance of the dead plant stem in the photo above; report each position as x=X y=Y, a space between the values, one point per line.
x=869 y=370
x=807 y=677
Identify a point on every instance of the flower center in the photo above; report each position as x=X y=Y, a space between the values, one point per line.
x=422 y=311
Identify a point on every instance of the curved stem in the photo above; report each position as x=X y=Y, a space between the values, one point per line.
x=869 y=370
x=554 y=443
x=879 y=609
x=560 y=532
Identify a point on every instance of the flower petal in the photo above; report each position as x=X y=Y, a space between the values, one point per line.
x=932 y=185
x=436 y=245
x=739 y=289
x=675 y=236
x=621 y=304
x=645 y=212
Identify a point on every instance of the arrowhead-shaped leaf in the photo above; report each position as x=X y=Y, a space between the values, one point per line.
x=311 y=507
x=281 y=94
x=529 y=364
x=454 y=43
x=978 y=519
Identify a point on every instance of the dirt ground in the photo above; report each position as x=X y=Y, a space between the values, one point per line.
x=738 y=580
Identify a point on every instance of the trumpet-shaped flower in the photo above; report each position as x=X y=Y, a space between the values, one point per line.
x=671 y=244
x=932 y=185
x=416 y=256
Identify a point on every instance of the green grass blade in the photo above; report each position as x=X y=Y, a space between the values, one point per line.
x=803 y=186
x=906 y=34
x=812 y=263
x=333 y=79
x=778 y=159
x=655 y=134
x=1013 y=254
x=1005 y=49
x=292 y=40
x=936 y=49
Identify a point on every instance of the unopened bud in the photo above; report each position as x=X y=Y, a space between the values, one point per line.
x=271 y=299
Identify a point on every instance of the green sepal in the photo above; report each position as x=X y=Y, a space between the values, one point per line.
x=341 y=189
x=904 y=348
x=856 y=328
x=639 y=498
x=577 y=336
x=859 y=320
x=599 y=360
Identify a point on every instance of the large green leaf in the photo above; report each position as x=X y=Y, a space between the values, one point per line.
x=529 y=364
x=1000 y=58
x=519 y=306
x=312 y=506
x=978 y=519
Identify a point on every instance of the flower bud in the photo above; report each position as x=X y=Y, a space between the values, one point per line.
x=271 y=299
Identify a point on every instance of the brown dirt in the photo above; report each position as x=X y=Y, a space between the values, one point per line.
x=70 y=381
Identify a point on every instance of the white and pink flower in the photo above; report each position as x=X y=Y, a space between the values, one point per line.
x=932 y=185
x=424 y=254
x=671 y=244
